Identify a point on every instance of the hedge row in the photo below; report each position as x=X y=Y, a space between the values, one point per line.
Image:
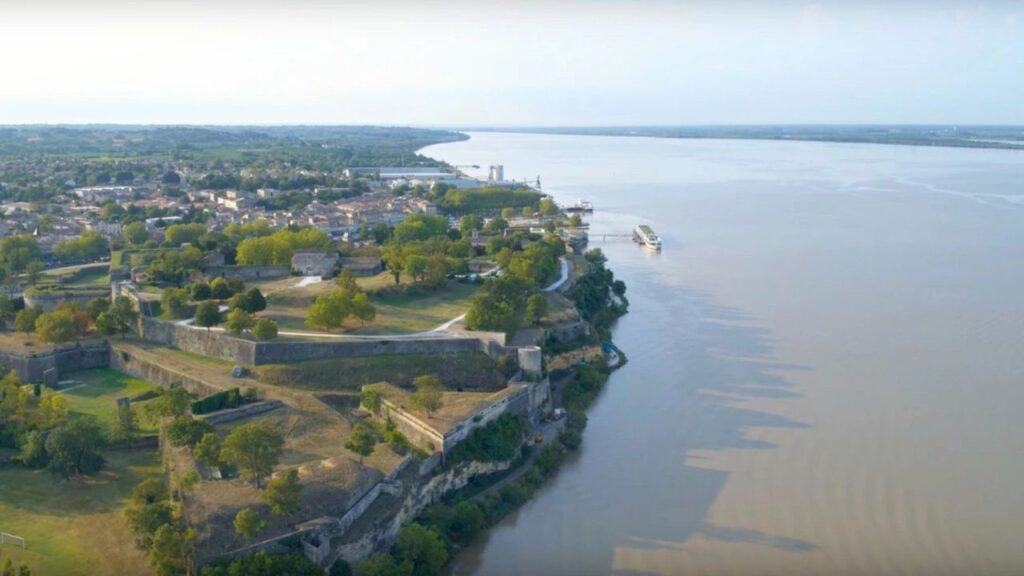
x=232 y=398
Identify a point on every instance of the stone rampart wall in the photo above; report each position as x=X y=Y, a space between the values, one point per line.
x=50 y=299
x=64 y=358
x=123 y=360
x=248 y=273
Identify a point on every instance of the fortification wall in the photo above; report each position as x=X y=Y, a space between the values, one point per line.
x=274 y=352
x=65 y=358
x=123 y=360
x=198 y=341
x=248 y=273
x=49 y=300
x=516 y=403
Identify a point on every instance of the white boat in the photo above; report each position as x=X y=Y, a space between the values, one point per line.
x=645 y=235
x=580 y=206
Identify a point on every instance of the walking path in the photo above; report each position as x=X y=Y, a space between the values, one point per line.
x=564 y=265
x=442 y=331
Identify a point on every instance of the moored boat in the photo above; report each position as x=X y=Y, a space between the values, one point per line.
x=645 y=235
x=580 y=206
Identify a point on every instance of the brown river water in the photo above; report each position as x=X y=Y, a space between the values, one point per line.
x=826 y=362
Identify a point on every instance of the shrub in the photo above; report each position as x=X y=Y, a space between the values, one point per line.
x=223 y=400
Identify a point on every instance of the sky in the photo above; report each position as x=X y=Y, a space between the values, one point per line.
x=468 y=63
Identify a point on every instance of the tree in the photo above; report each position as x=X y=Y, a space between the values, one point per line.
x=135 y=233
x=362 y=309
x=548 y=207
x=207 y=450
x=263 y=563
x=370 y=399
x=383 y=565
x=507 y=213
x=264 y=329
x=330 y=310
x=536 y=307
x=89 y=246
x=53 y=410
x=469 y=223
x=256 y=301
x=201 y=291
x=219 y=289
x=361 y=442
x=238 y=321
x=467 y=519
x=6 y=308
x=148 y=510
x=167 y=553
x=33 y=450
x=97 y=306
x=74 y=448
x=423 y=548
x=283 y=493
x=178 y=234
x=25 y=320
x=173 y=302
x=17 y=252
x=437 y=270
x=207 y=314
x=428 y=393
x=527 y=211
x=254 y=447
x=248 y=523
x=8 y=569
x=34 y=270
x=185 y=430
x=122 y=314
x=173 y=402
x=126 y=423
x=496 y=225
x=575 y=221
x=55 y=326
x=416 y=266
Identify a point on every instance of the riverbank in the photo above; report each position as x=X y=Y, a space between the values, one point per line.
x=460 y=517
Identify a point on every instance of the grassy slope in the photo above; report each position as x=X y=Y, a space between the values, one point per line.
x=75 y=527
x=470 y=369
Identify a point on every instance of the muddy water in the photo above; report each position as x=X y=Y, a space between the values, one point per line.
x=826 y=362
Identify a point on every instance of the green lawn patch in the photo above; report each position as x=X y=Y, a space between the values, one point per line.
x=95 y=393
x=75 y=527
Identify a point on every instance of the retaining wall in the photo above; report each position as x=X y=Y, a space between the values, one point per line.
x=248 y=273
x=222 y=416
x=198 y=341
x=49 y=300
x=275 y=352
x=125 y=361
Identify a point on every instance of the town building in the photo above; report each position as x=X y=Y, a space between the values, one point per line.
x=361 y=265
x=314 y=262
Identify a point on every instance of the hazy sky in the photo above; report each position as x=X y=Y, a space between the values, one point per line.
x=511 y=63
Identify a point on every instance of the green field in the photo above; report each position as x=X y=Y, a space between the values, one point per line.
x=95 y=392
x=412 y=309
x=75 y=527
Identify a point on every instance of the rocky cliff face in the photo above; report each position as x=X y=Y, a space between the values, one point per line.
x=417 y=498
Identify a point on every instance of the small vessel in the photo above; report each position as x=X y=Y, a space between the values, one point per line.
x=580 y=206
x=645 y=235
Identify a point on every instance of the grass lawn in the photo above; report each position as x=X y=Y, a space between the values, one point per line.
x=95 y=392
x=75 y=527
x=397 y=312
